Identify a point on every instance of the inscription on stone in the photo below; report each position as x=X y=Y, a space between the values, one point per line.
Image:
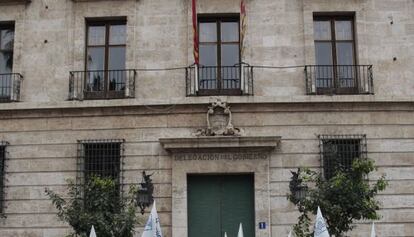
x=220 y=156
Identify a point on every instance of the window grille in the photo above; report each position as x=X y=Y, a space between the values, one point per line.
x=103 y=158
x=3 y=154
x=339 y=151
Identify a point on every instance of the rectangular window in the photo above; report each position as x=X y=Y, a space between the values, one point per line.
x=3 y=153
x=339 y=151
x=101 y=158
x=219 y=42
x=335 y=54
x=6 y=48
x=105 y=59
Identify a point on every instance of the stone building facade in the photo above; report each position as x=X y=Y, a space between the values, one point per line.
x=280 y=106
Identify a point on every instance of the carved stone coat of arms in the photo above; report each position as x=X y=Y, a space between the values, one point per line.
x=219 y=121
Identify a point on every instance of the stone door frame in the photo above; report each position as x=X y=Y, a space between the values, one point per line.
x=220 y=155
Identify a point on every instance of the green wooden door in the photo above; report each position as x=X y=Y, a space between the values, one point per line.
x=218 y=204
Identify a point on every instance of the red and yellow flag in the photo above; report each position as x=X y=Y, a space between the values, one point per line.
x=195 y=31
x=243 y=26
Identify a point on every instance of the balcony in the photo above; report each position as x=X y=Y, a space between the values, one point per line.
x=10 y=85
x=338 y=79
x=223 y=80
x=102 y=84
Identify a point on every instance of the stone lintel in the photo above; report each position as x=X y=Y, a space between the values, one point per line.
x=220 y=143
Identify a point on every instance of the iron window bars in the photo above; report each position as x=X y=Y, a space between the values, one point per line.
x=3 y=157
x=339 y=152
x=102 y=158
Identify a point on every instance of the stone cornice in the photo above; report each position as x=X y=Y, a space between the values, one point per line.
x=354 y=99
x=220 y=143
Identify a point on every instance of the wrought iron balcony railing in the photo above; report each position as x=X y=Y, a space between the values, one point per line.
x=219 y=80
x=102 y=84
x=10 y=85
x=339 y=79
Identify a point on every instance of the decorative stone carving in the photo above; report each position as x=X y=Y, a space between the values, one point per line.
x=219 y=121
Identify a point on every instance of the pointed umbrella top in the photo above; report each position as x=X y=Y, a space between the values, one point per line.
x=240 y=234
x=153 y=227
x=320 y=229
x=225 y=234
x=373 y=230
x=92 y=234
x=290 y=234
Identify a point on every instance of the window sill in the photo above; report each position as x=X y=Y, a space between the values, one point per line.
x=333 y=92
x=225 y=92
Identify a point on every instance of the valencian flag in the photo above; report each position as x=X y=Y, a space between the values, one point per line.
x=243 y=26
x=195 y=31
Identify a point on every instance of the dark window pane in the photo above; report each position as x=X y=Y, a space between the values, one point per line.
x=229 y=31
x=208 y=32
x=96 y=35
x=230 y=75
x=96 y=58
x=208 y=75
x=116 y=58
x=116 y=62
x=344 y=53
x=323 y=52
x=343 y=30
x=322 y=30
x=208 y=55
x=324 y=74
x=6 y=39
x=229 y=54
x=345 y=56
x=6 y=53
x=117 y=34
x=6 y=62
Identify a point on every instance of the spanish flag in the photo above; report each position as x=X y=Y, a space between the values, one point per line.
x=196 y=49
x=243 y=26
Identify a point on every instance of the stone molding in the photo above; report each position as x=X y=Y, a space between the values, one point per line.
x=214 y=143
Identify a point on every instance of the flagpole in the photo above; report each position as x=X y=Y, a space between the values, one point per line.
x=243 y=27
x=195 y=32
x=195 y=42
x=243 y=87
